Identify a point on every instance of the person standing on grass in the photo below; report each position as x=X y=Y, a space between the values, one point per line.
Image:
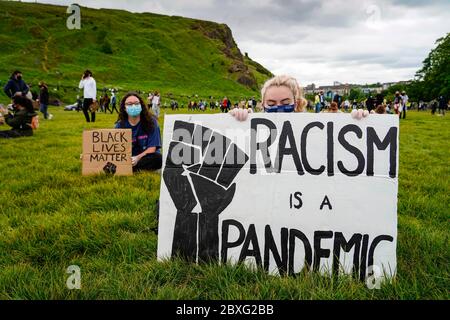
x=337 y=98
x=317 y=104
x=89 y=87
x=20 y=120
x=16 y=85
x=398 y=103
x=43 y=100
x=223 y=107
x=442 y=105
x=149 y=99
x=370 y=103
x=146 y=138
x=321 y=101
x=405 y=99
x=113 y=102
x=346 y=105
x=106 y=102
x=155 y=104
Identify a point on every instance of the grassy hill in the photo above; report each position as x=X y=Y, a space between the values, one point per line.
x=142 y=51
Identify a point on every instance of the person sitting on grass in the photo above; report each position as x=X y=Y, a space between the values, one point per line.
x=20 y=119
x=146 y=138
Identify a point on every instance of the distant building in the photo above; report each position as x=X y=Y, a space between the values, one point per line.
x=329 y=91
x=386 y=85
x=344 y=89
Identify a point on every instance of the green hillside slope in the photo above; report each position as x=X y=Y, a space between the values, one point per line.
x=142 y=51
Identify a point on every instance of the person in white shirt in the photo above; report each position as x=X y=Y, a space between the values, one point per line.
x=155 y=104
x=405 y=99
x=149 y=99
x=346 y=105
x=89 y=87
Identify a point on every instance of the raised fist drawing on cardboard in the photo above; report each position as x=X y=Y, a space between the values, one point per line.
x=200 y=168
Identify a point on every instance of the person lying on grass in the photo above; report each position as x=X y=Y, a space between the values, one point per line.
x=284 y=94
x=20 y=119
x=146 y=138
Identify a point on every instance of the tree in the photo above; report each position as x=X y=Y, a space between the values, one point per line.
x=356 y=94
x=435 y=73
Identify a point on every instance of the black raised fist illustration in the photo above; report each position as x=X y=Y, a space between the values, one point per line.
x=200 y=167
x=110 y=168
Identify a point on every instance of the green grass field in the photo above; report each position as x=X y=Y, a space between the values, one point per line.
x=52 y=217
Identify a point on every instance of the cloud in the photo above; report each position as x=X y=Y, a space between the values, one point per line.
x=319 y=41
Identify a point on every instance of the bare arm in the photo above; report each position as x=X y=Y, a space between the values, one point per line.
x=147 y=151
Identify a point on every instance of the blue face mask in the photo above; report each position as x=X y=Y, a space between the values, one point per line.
x=134 y=110
x=281 y=108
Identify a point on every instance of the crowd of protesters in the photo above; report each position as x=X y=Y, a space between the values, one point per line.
x=399 y=104
x=21 y=115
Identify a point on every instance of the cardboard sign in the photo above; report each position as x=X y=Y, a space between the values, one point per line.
x=284 y=192
x=108 y=151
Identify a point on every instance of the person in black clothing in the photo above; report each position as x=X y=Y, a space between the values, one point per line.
x=338 y=99
x=79 y=104
x=370 y=103
x=113 y=102
x=434 y=105
x=379 y=99
x=43 y=99
x=16 y=85
x=20 y=119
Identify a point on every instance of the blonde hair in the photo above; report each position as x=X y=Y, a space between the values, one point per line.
x=292 y=84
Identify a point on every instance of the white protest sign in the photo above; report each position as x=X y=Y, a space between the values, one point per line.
x=281 y=191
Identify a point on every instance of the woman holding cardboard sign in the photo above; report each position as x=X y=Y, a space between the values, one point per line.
x=284 y=94
x=146 y=138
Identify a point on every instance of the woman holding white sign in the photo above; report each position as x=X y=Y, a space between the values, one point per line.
x=284 y=94
x=146 y=138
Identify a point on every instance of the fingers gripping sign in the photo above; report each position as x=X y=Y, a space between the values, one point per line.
x=200 y=168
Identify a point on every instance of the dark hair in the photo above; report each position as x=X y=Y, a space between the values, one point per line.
x=87 y=73
x=147 y=118
x=15 y=73
x=24 y=102
x=42 y=84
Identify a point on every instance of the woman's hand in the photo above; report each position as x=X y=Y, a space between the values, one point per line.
x=359 y=114
x=240 y=114
x=135 y=160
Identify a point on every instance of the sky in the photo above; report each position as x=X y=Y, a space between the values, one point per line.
x=351 y=41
